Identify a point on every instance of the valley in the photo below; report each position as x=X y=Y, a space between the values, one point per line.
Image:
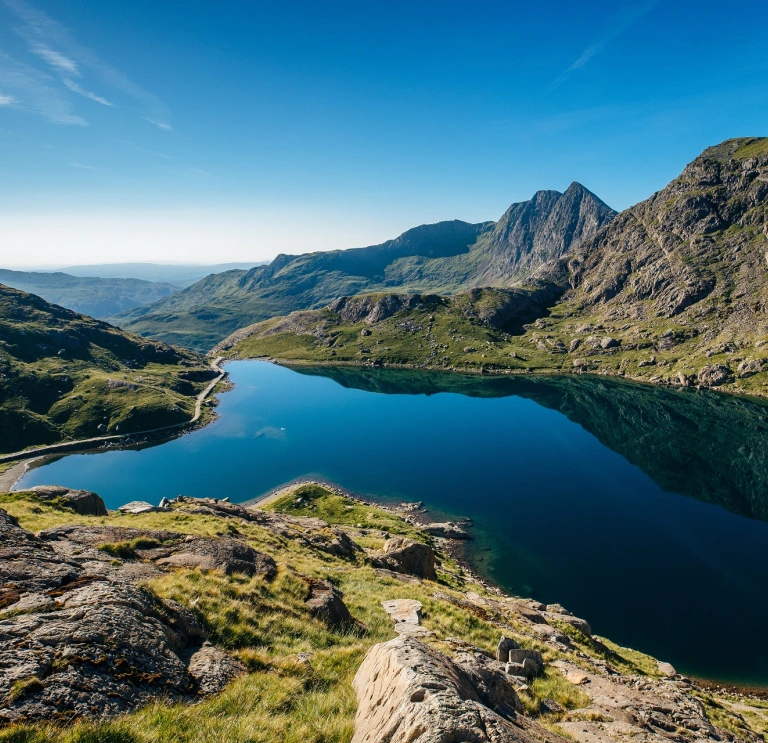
x=65 y=376
x=671 y=292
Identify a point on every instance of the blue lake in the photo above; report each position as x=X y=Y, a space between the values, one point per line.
x=645 y=511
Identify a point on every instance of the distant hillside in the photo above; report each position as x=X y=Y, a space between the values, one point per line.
x=97 y=297
x=63 y=375
x=672 y=291
x=179 y=275
x=444 y=257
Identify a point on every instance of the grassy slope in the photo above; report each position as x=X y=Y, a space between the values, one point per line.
x=442 y=336
x=670 y=286
x=444 y=257
x=64 y=374
x=92 y=296
x=282 y=699
x=205 y=313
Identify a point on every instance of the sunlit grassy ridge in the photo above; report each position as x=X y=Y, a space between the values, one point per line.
x=63 y=375
x=284 y=698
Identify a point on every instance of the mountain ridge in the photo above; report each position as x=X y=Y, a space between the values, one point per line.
x=445 y=257
x=93 y=296
x=671 y=291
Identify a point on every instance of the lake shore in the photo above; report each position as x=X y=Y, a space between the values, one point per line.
x=418 y=515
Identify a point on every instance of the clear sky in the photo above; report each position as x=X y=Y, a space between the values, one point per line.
x=192 y=130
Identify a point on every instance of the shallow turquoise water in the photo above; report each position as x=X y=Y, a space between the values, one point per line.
x=558 y=514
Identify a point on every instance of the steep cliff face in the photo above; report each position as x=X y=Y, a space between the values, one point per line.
x=672 y=291
x=695 y=251
x=444 y=257
x=540 y=230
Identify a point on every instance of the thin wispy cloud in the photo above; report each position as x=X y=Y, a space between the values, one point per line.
x=626 y=17
x=67 y=65
x=159 y=124
x=36 y=91
x=7 y=100
x=55 y=59
x=75 y=88
x=81 y=166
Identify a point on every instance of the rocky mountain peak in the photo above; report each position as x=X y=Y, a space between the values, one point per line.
x=694 y=250
x=539 y=230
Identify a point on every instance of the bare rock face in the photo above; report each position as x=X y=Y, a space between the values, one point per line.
x=212 y=669
x=491 y=682
x=408 y=691
x=79 y=638
x=402 y=555
x=447 y=530
x=83 y=502
x=502 y=651
x=373 y=309
x=225 y=554
x=105 y=649
x=137 y=507
x=640 y=709
x=694 y=251
x=714 y=375
x=406 y=615
x=172 y=549
x=326 y=603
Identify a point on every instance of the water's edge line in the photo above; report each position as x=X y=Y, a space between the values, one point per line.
x=92 y=443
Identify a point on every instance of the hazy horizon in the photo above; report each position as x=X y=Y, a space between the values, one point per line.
x=192 y=133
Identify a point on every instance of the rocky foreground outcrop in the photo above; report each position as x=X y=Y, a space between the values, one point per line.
x=80 y=638
x=408 y=691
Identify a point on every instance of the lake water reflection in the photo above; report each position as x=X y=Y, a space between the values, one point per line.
x=643 y=510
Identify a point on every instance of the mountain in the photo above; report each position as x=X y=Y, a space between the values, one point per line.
x=62 y=375
x=97 y=297
x=672 y=291
x=444 y=257
x=179 y=275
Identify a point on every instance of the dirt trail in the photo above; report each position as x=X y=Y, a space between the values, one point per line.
x=66 y=446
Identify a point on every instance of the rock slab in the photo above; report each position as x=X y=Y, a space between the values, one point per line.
x=408 y=691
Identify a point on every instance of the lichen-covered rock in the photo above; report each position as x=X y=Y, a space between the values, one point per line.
x=403 y=555
x=171 y=549
x=714 y=375
x=83 y=502
x=95 y=535
x=27 y=564
x=79 y=638
x=103 y=651
x=408 y=691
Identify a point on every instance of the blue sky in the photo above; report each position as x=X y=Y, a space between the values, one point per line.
x=236 y=130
